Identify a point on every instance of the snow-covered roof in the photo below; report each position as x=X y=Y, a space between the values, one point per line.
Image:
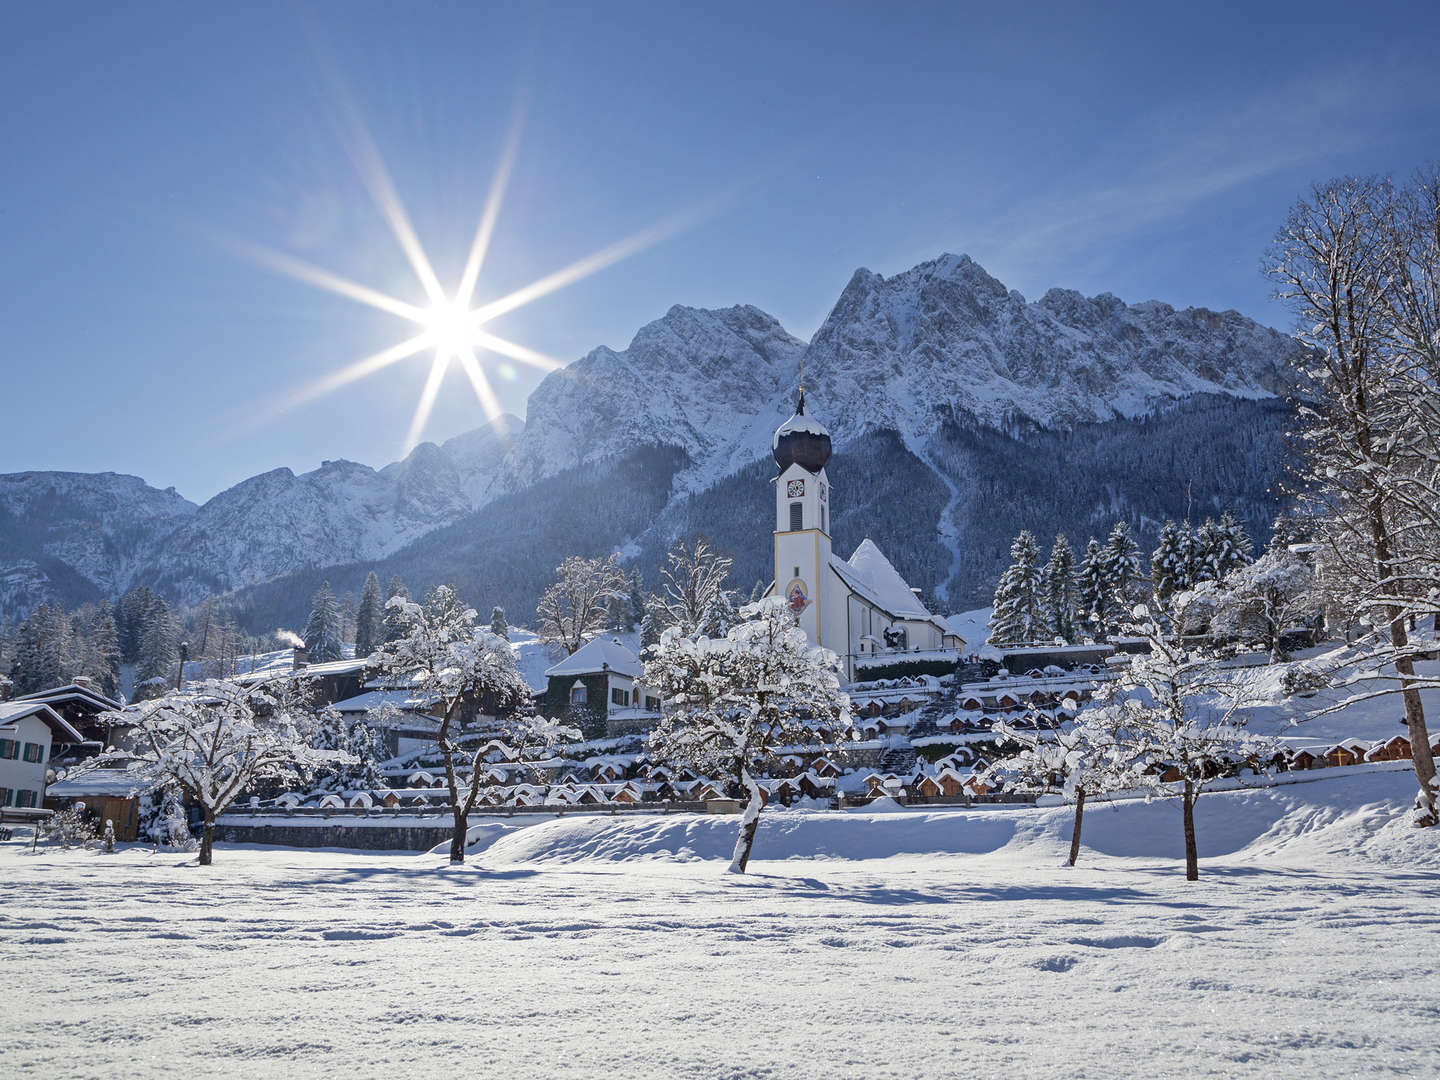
x=114 y=782
x=800 y=421
x=72 y=692
x=870 y=574
x=405 y=700
x=337 y=667
x=61 y=730
x=599 y=654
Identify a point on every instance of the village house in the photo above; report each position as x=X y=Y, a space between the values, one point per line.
x=598 y=689
x=29 y=733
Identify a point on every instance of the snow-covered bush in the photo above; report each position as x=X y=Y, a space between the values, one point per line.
x=68 y=828
x=1302 y=678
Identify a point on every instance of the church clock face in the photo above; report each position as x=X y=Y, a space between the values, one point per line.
x=795 y=489
x=822 y=493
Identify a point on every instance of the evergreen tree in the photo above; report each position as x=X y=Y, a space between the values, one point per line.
x=1059 y=592
x=323 y=630
x=155 y=670
x=1205 y=555
x=1015 y=616
x=42 y=651
x=1169 y=569
x=1122 y=564
x=1232 y=546
x=392 y=621
x=103 y=653
x=132 y=611
x=367 y=617
x=637 y=599
x=1093 y=585
x=498 y=626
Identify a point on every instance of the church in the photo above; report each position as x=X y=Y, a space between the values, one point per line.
x=860 y=608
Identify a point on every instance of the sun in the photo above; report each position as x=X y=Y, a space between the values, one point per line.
x=448 y=326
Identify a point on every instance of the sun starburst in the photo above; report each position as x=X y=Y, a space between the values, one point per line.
x=451 y=324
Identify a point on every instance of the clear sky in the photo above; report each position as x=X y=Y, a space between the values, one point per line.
x=1148 y=150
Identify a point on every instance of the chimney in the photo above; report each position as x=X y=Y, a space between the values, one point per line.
x=6 y=686
x=300 y=659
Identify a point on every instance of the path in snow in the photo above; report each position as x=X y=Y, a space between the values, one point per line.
x=1293 y=956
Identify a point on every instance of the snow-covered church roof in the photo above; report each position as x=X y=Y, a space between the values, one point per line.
x=599 y=654
x=869 y=573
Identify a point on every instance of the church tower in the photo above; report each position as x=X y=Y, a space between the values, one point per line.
x=802 y=517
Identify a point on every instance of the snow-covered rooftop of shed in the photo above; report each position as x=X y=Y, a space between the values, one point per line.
x=599 y=654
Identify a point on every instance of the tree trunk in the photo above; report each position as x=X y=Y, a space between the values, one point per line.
x=749 y=822
x=1192 y=857
x=1420 y=756
x=207 y=838
x=1075 y=833
x=457 y=839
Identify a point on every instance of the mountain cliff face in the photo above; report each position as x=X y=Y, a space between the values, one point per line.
x=979 y=397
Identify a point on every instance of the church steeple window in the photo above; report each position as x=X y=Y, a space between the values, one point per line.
x=797 y=516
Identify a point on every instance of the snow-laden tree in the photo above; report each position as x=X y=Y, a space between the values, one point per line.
x=1170 y=562
x=1092 y=583
x=464 y=672
x=636 y=603
x=1080 y=760
x=368 y=630
x=1359 y=263
x=360 y=768
x=1015 y=616
x=731 y=706
x=218 y=739
x=576 y=604
x=1260 y=601
x=392 y=625
x=1124 y=567
x=1177 y=717
x=324 y=630
x=1059 y=596
x=498 y=626
x=692 y=587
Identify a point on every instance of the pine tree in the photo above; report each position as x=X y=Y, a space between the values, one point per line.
x=1058 y=591
x=155 y=670
x=1093 y=584
x=367 y=617
x=637 y=599
x=498 y=625
x=42 y=651
x=323 y=630
x=1206 y=552
x=1015 y=615
x=1232 y=546
x=131 y=612
x=392 y=622
x=1122 y=565
x=103 y=663
x=1169 y=572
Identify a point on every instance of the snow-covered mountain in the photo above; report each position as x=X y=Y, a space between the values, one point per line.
x=73 y=537
x=943 y=358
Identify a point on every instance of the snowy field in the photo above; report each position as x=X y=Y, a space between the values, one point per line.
x=619 y=947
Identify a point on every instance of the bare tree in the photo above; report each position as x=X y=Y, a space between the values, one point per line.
x=730 y=705
x=692 y=587
x=462 y=670
x=1349 y=262
x=1176 y=717
x=576 y=605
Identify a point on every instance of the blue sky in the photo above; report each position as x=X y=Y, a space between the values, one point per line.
x=1148 y=150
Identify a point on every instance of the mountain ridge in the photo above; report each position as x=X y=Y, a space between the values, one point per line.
x=941 y=344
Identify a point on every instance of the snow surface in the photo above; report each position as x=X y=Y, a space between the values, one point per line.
x=864 y=945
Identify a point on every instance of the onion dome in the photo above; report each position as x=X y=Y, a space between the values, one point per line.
x=801 y=440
